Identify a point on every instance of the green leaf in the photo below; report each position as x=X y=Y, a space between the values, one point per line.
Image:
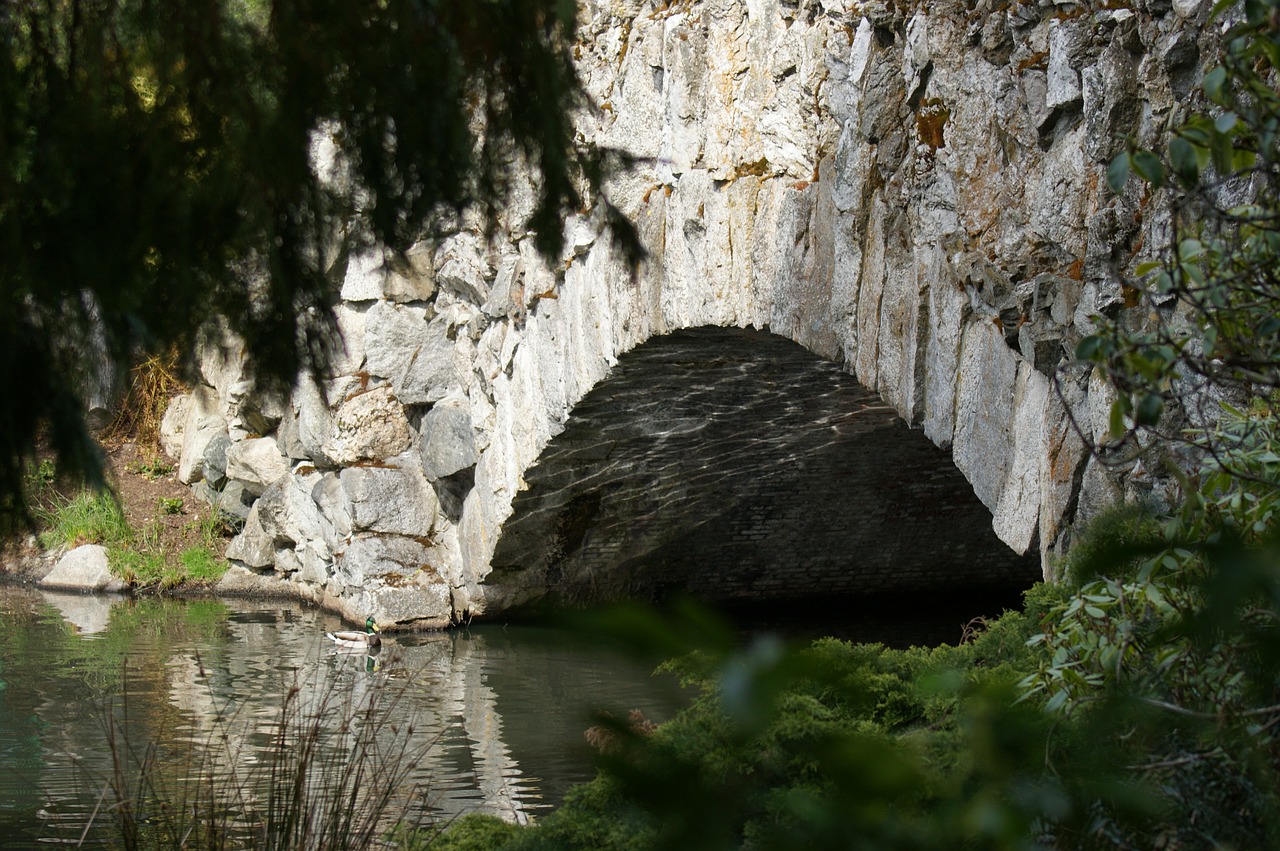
x=1056 y=702
x=1118 y=428
x=1147 y=268
x=1149 y=410
x=1182 y=158
x=1148 y=166
x=1118 y=172
x=1214 y=86
x=1090 y=348
x=1224 y=122
x=1223 y=153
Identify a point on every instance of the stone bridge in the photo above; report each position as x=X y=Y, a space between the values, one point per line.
x=736 y=466
x=915 y=197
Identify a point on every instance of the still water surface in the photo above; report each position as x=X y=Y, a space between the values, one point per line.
x=486 y=719
x=491 y=719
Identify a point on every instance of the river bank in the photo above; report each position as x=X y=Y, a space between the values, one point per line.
x=163 y=514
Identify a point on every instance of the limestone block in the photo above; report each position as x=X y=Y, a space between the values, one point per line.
x=85 y=568
x=316 y=563
x=331 y=499
x=867 y=321
x=985 y=395
x=1064 y=452
x=256 y=412
x=370 y=426
x=1062 y=82
x=215 y=460
x=948 y=309
x=231 y=504
x=204 y=423
x=396 y=500
x=222 y=363
x=393 y=579
x=417 y=355
x=638 y=105
x=1098 y=491
x=253 y=547
x=1017 y=510
x=314 y=423
x=366 y=275
x=504 y=295
x=376 y=559
x=348 y=355
x=410 y=277
x=421 y=605
x=173 y=425
x=256 y=463
x=448 y=440
x=461 y=268
x=900 y=361
x=1112 y=106
x=287 y=513
x=684 y=65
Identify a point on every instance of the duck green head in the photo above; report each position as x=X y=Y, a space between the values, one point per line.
x=370 y=626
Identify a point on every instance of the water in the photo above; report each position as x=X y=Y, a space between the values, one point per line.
x=488 y=719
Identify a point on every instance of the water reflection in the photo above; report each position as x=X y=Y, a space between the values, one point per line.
x=486 y=720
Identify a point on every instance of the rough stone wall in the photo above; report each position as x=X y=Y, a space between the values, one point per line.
x=915 y=191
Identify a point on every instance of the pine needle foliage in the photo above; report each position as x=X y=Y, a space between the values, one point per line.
x=157 y=174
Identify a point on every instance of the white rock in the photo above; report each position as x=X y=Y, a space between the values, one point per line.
x=86 y=568
x=1017 y=511
x=416 y=354
x=256 y=463
x=370 y=426
x=204 y=423
x=448 y=440
x=392 y=499
x=173 y=425
x=985 y=395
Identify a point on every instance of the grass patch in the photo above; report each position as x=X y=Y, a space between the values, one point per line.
x=201 y=565
x=138 y=556
x=88 y=517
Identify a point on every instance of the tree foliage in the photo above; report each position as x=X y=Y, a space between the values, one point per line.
x=156 y=172
x=1215 y=289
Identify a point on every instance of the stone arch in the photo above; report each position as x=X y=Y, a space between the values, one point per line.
x=735 y=465
x=787 y=177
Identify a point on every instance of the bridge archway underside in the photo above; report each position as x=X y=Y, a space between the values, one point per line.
x=739 y=467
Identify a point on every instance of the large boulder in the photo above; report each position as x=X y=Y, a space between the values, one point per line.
x=448 y=440
x=392 y=499
x=204 y=423
x=369 y=427
x=416 y=352
x=85 y=568
x=392 y=579
x=256 y=463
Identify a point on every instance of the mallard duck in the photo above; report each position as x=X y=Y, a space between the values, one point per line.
x=368 y=639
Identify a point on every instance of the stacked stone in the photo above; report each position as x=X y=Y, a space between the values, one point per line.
x=914 y=191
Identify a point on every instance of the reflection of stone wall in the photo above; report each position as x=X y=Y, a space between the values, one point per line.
x=917 y=195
